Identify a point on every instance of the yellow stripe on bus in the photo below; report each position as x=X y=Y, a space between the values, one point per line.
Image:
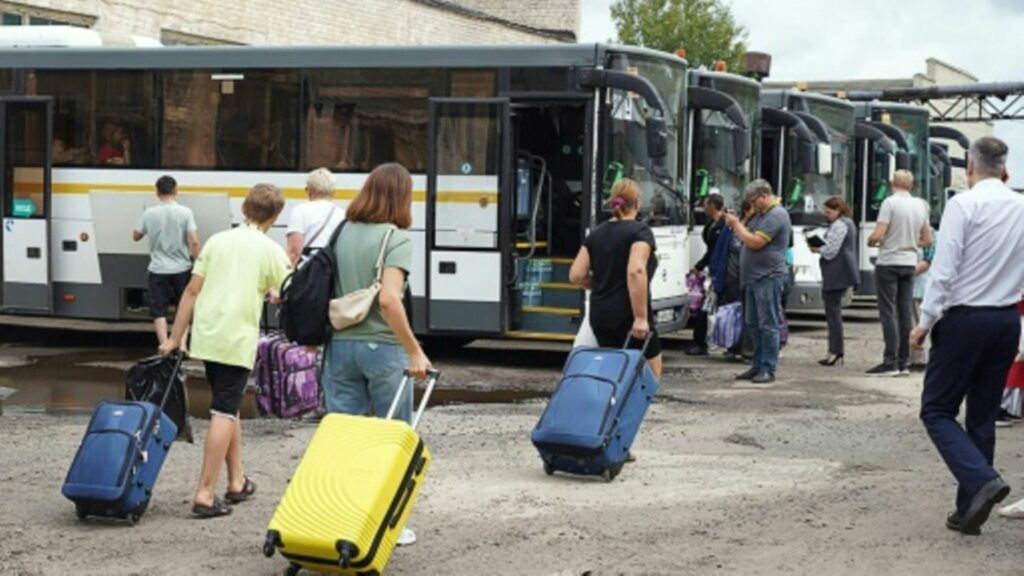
x=470 y=197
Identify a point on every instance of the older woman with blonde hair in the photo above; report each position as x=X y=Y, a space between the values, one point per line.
x=617 y=263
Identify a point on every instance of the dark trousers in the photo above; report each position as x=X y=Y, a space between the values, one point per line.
x=895 y=286
x=972 y=350
x=700 y=329
x=834 y=318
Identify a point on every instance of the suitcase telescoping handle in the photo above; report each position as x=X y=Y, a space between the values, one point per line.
x=647 y=340
x=432 y=377
x=179 y=357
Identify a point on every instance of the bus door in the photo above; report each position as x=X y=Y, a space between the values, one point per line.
x=26 y=125
x=468 y=245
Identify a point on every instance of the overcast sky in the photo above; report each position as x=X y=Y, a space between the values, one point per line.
x=826 y=40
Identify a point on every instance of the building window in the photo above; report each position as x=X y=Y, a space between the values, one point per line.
x=239 y=121
x=102 y=119
x=358 y=119
x=19 y=15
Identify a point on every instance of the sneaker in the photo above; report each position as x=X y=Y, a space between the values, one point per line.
x=696 y=350
x=763 y=378
x=883 y=370
x=406 y=538
x=903 y=372
x=748 y=375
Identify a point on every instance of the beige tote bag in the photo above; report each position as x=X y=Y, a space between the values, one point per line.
x=352 y=308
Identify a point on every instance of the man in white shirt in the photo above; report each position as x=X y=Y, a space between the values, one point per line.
x=902 y=226
x=311 y=224
x=975 y=282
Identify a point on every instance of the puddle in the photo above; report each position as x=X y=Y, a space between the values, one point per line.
x=75 y=382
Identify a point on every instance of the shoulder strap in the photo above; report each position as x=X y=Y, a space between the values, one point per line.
x=383 y=250
x=322 y=226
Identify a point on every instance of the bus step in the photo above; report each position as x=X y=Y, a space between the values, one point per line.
x=524 y=335
x=551 y=320
x=560 y=295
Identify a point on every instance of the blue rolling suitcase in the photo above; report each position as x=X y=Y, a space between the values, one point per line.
x=595 y=412
x=117 y=464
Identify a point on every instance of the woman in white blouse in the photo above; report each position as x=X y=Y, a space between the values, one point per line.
x=839 y=272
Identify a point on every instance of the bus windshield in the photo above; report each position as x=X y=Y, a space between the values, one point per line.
x=915 y=125
x=626 y=151
x=716 y=168
x=805 y=193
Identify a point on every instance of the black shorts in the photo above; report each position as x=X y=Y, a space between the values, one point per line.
x=615 y=337
x=227 y=386
x=166 y=289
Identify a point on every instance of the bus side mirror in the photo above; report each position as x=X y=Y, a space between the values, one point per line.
x=824 y=152
x=657 y=138
x=808 y=162
x=741 y=146
x=902 y=160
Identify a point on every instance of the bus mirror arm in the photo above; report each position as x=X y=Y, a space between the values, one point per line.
x=595 y=78
x=703 y=98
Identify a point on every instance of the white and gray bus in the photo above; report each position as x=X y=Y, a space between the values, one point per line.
x=512 y=150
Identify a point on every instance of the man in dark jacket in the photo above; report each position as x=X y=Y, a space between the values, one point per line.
x=713 y=206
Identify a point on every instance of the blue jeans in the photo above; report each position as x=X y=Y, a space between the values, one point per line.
x=762 y=308
x=363 y=377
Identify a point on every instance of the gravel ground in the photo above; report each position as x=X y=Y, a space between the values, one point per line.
x=823 y=472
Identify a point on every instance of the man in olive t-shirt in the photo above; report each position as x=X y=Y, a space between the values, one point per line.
x=763 y=274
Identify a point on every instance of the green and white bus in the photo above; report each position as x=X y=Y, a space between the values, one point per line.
x=512 y=150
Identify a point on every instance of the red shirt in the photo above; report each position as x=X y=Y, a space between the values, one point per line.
x=107 y=153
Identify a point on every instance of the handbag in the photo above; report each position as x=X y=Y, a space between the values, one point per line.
x=352 y=308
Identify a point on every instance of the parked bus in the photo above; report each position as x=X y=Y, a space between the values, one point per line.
x=808 y=157
x=942 y=165
x=725 y=120
x=513 y=151
x=906 y=126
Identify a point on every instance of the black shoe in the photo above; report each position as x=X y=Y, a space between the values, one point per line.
x=884 y=369
x=763 y=378
x=748 y=375
x=955 y=523
x=696 y=350
x=992 y=493
x=832 y=359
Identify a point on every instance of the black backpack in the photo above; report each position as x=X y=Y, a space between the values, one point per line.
x=306 y=297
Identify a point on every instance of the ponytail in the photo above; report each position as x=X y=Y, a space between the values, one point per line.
x=625 y=198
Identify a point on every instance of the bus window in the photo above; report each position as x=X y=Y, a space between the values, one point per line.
x=231 y=120
x=101 y=119
x=358 y=119
x=472 y=84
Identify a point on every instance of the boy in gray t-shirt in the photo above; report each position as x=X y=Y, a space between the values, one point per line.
x=173 y=243
x=901 y=228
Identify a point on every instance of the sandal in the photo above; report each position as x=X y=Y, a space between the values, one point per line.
x=248 y=489
x=217 y=509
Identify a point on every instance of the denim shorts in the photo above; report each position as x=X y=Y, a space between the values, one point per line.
x=362 y=379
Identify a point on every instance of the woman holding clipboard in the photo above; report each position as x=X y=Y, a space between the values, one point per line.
x=839 y=271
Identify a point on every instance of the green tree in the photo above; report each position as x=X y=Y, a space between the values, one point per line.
x=706 y=29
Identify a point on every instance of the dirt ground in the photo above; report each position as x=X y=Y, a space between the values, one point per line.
x=823 y=472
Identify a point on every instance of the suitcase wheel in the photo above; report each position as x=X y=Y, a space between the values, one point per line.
x=271 y=543
x=81 y=513
x=607 y=474
x=292 y=570
x=549 y=469
x=134 y=518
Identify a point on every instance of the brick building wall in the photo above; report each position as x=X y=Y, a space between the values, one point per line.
x=298 y=22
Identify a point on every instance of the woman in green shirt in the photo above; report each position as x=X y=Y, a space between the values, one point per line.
x=366 y=361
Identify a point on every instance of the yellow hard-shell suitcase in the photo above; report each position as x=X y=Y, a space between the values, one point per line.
x=352 y=493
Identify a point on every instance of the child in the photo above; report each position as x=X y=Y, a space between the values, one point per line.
x=235 y=272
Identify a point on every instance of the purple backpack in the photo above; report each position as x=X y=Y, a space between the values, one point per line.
x=288 y=377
